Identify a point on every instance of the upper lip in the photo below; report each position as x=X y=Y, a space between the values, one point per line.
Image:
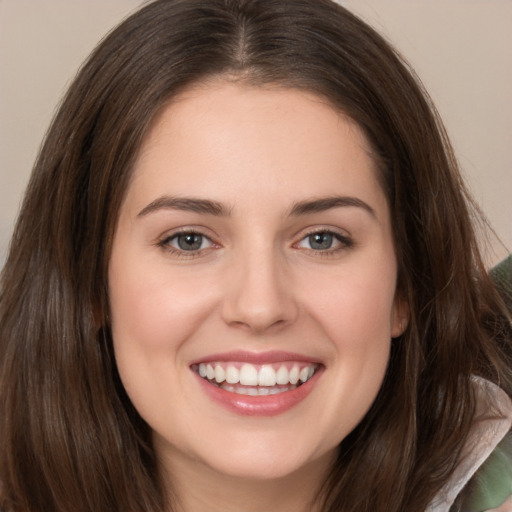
x=256 y=358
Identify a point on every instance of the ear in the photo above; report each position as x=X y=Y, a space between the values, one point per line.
x=400 y=316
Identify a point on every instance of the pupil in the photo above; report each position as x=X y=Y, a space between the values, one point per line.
x=190 y=242
x=321 y=241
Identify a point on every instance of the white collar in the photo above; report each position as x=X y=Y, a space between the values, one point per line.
x=494 y=421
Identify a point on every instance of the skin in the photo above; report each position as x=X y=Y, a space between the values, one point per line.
x=256 y=284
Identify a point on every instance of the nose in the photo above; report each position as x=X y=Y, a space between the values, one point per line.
x=259 y=295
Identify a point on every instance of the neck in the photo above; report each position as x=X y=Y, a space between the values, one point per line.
x=196 y=488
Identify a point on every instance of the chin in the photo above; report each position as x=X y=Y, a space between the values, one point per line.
x=260 y=461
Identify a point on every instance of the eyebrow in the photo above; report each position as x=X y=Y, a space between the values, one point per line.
x=189 y=204
x=217 y=209
x=326 y=203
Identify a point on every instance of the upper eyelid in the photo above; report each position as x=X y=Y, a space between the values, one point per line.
x=165 y=244
x=343 y=237
x=322 y=229
x=187 y=232
x=198 y=230
x=203 y=238
x=340 y=233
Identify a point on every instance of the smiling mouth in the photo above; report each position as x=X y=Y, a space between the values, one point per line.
x=256 y=380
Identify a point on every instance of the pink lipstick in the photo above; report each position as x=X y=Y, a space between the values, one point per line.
x=249 y=383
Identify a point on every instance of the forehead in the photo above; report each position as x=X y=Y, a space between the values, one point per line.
x=222 y=136
x=210 y=104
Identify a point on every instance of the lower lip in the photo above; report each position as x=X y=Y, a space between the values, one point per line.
x=266 y=405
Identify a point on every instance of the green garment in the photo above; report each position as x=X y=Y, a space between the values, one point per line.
x=502 y=276
x=492 y=484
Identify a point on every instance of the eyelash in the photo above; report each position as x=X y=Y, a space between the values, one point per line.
x=343 y=243
x=165 y=244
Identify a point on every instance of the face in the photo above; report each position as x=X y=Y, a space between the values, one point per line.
x=252 y=281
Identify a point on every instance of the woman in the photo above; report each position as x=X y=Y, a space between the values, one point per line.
x=244 y=276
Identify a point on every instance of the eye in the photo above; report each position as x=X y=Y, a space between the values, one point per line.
x=320 y=241
x=188 y=241
x=324 y=241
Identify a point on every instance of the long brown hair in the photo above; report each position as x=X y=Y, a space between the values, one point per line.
x=70 y=438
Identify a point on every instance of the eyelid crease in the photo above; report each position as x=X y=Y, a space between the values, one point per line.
x=346 y=241
x=322 y=228
x=164 y=243
x=178 y=232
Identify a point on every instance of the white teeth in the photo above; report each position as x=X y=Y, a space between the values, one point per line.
x=294 y=375
x=282 y=376
x=232 y=375
x=255 y=391
x=220 y=374
x=267 y=376
x=303 y=375
x=248 y=375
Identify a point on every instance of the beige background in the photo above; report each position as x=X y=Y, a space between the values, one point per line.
x=462 y=49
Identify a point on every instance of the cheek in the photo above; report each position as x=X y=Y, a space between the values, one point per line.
x=359 y=326
x=356 y=310
x=356 y=317
x=156 y=311
x=154 y=315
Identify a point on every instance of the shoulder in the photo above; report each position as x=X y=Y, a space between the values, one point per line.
x=484 y=471
x=491 y=486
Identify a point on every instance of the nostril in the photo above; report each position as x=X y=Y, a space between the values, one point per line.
x=259 y=318
x=259 y=297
